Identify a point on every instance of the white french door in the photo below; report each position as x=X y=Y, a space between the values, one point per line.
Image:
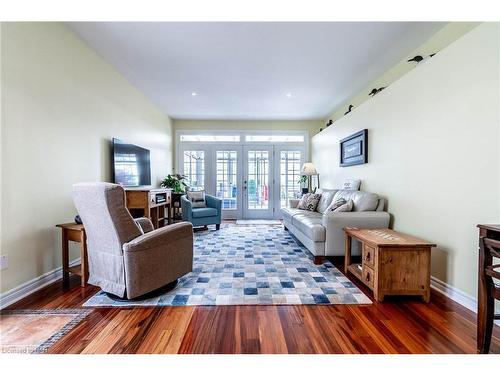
x=253 y=179
x=288 y=161
x=228 y=180
x=258 y=182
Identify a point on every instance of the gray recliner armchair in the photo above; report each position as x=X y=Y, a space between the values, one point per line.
x=127 y=258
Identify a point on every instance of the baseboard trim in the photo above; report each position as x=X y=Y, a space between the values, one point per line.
x=454 y=294
x=464 y=299
x=11 y=296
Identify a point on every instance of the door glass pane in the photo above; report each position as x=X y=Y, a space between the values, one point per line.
x=289 y=175
x=194 y=169
x=227 y=186
x=258 y=180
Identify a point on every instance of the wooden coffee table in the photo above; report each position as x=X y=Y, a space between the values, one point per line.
x=392 y=263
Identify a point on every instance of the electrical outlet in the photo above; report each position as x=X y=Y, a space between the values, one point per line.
x=4 y=262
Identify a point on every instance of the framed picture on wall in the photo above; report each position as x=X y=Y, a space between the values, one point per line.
x=354 y=149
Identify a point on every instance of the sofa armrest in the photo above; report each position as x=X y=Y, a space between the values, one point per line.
x=374 y=219
x=335 y=222
x=145 y=224
x=293 y=203
x=159 y=238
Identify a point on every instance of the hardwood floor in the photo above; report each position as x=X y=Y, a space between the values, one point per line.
x=402 y=325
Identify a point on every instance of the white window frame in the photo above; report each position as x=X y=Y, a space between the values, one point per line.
x=210 y=149
x=179 y=146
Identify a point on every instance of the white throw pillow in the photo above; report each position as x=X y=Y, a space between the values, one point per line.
x=197 y=198
x=351 y=185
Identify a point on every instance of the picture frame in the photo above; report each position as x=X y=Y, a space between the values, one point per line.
x=354 y=149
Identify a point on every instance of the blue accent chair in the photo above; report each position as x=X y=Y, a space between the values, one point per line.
x=211 y=214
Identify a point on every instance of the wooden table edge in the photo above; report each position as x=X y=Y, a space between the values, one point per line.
x=351 y=232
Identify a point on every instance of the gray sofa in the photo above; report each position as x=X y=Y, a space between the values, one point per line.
x=322 y=233
x=127 y=257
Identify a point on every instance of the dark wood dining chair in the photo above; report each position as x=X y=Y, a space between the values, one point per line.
x=488 y=290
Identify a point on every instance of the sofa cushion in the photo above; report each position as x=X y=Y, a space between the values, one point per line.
x=309 y=202
x=311 y=226
x=304 y=213
x=289 y=212
x=362 y=201
x=204 y=212
x=326 y=199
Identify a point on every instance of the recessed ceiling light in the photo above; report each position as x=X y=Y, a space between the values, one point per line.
x=289 y=95
x=194 y=93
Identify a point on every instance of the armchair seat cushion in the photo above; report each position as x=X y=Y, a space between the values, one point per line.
x=204 y=212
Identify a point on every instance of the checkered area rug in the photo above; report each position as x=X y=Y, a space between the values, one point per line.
x=252 y=265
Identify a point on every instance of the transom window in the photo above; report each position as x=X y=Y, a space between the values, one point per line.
x=209 y=138
x=274 y=138
x=242 y=136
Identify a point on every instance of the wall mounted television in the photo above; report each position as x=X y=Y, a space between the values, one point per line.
x=131 y=164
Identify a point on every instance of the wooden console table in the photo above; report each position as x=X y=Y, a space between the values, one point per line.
x=392 y=263
x=76 y=233
x=144 y=202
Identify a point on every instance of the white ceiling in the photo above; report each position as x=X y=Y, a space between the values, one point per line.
x=245 y=70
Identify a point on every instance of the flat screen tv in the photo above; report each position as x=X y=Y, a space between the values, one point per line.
x=131 y=164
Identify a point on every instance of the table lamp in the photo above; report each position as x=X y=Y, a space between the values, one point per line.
x=308 y=169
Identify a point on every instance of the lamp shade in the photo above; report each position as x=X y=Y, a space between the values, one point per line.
x=309 y=169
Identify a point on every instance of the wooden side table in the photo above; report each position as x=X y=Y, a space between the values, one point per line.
x=176 y=206
x=392 y=263
x=76 y=233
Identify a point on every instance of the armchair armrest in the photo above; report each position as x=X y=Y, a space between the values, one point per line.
x=187 y=209
x=213 y=202
x=144 y=224
x=159 y=238
x=157 y=258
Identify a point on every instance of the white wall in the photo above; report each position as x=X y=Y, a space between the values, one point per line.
x=61 y=105
x=434 y=140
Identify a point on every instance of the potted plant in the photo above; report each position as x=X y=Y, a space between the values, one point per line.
x=175 y=182
x=302 y=180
